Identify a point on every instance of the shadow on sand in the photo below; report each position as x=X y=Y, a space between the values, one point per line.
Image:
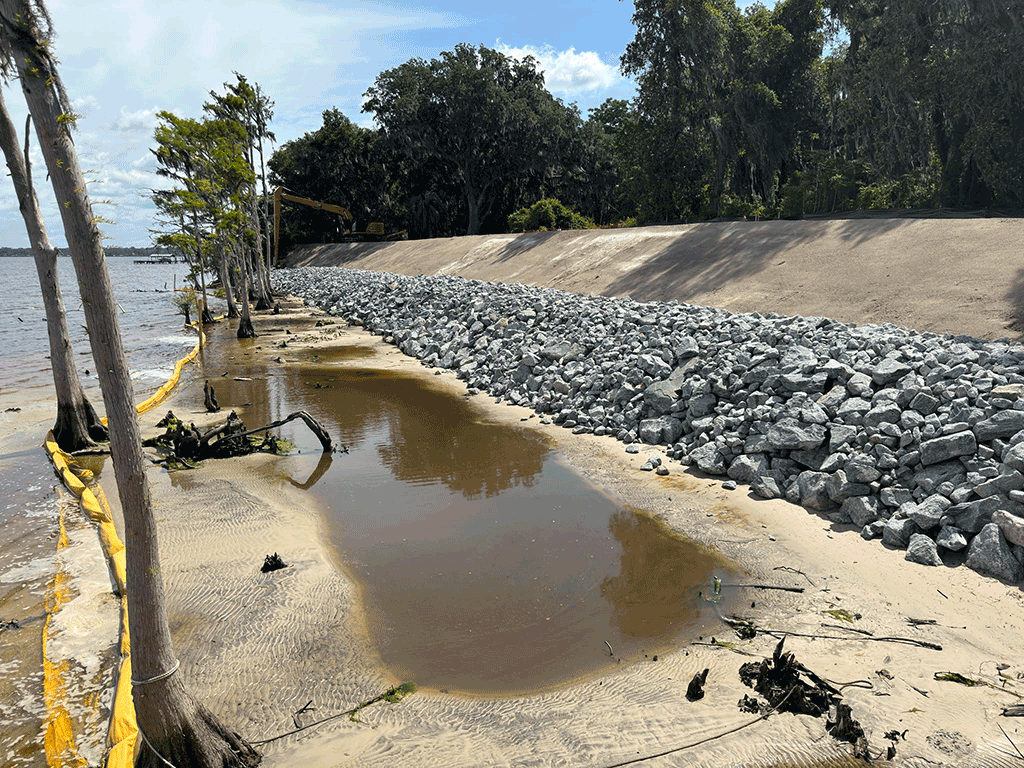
x=711 y=255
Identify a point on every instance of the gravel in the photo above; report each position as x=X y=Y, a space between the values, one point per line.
x=902 y=434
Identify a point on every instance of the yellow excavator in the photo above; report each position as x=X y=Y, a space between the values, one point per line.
x=374 y=230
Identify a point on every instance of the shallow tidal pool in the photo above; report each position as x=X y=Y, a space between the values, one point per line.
x=485 y=564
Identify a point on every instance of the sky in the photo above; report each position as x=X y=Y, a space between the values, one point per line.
x=122 y=61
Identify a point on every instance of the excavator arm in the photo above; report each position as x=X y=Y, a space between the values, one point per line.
x=374 y=230
x=280 y=194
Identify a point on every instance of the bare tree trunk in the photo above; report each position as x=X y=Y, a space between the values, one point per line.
x=245 y=329
x=77 y=424
x=205 y=316
x=262 y=277
x=172 y=721
x=225 y=279
x=267 y=235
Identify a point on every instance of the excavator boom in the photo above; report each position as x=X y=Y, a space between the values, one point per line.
x=280 y=194
x=374 y=230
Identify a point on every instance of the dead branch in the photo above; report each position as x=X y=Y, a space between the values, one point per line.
x=315 y=426
x=766 y=586
x=906 y=640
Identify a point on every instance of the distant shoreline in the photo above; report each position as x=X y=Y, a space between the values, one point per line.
x=114 y=251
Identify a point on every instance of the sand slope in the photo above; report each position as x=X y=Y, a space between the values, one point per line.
x=942 y=275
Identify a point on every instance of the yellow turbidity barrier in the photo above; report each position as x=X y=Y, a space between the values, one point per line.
x=58 y=738
x=122 y=731
x=59 y=741
x=153 y=400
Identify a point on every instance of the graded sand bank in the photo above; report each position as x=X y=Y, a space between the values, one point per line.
x=962 y=275
x=258 y=648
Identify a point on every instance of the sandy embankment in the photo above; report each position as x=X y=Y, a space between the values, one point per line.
x=942 y=275
x=257 y=647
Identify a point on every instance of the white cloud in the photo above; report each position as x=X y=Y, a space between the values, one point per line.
x=137 y=121
x=568 y=72
x=85 y=105
x=150 y=55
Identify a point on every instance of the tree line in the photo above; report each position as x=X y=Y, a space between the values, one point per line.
x=809 y=107
x=212 y=211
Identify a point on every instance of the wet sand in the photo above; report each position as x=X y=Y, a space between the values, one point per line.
x=257 y=647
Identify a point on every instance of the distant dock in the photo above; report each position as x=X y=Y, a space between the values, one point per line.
x=158 y=258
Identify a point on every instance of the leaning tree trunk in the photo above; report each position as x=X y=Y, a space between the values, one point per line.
x=205 y=315
x=245 y=329
x=267 y=234
x=77 y=424
x=225 y=279
x=178 y=728
x=262 y=277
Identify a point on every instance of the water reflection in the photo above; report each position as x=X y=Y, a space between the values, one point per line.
x=318 y=472
x=431 y=436
x=485 y=563
x=656 y=588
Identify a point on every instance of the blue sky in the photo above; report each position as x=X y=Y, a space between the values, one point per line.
x=124 y=60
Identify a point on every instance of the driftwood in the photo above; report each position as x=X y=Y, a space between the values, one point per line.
x=789 y=686
x=695 y=690
x=186 y=443
x=315 y=426
x=272 y=563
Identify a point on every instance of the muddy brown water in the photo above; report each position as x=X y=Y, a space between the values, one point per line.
x=486 y=565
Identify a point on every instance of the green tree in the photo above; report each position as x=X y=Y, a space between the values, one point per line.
x=938 y=80
x=246 y=105
x=176 y=726
x=211 y=206
x=339 y=163
x=547 y=214
x=478 y=122
x=680 y=58
x=725 y=100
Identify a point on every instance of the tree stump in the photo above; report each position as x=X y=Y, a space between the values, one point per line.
x=210 y=398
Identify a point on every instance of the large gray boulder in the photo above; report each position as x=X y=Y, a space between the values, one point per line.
x=861 y=510
x=1014 y=457
x=1011 y=526
x=812 y=490
x=948 y=447
x=664 y=429
x=662 y=394
x=708 y=458
x=929 y=478
x=930 y=513
x=1001 y=424
x=789 y=434
x=861 y=468
x=922 y=550
x=748 y=467
x=990 y=555
x=972 y=516
x=889 y=370
x=898 y=530
x=952 y=538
